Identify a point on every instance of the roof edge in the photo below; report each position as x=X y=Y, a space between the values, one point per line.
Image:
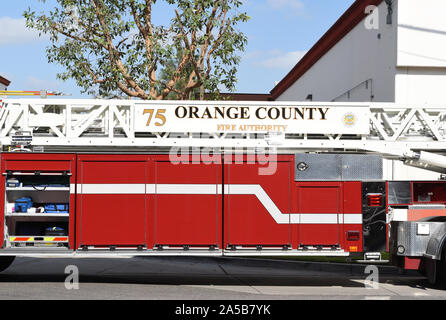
x=349 y=20
x=4 y=81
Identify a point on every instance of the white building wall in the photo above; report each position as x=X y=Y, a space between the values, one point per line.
x=2 y=87
x=406 y=65
x=421 y=66
x=420 y=86
x=396 y=170
x=421 y=58
x=361 y=67
x=421 y=33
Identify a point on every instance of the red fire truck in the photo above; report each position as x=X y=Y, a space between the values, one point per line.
x=211 y=178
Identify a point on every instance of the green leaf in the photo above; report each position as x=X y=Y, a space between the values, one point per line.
x=115 y=49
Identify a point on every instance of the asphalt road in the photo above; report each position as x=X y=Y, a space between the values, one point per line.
x=190 y=278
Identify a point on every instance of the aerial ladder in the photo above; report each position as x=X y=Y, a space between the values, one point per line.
x=413 y=134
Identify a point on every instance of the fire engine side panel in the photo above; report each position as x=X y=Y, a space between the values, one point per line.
x=112 y=201
x=257 y=207
x=187 y=203
x=32 y=162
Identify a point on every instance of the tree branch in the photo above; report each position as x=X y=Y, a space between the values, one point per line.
x=114 y=54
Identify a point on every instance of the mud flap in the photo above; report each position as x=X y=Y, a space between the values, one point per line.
x=430 y=269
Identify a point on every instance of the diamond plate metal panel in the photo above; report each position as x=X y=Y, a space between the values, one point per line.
x=322 y=167
x=361 y=167
x=337 y=167
x=405 y=234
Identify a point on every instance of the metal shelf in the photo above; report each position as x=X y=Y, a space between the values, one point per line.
x=38 y=190
x=36 y=174
x=39 y=215
x=57 y=191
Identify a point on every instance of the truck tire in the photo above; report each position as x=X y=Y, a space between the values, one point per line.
x=5 y=262
x=441 y=268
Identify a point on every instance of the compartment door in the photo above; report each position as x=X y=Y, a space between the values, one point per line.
x=320 y=209
x=188 y=204
x=257 y=207
x=112 y=203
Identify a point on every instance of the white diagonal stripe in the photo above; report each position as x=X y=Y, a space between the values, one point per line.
x=185 y=189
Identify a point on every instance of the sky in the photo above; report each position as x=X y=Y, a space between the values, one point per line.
x=279 y=33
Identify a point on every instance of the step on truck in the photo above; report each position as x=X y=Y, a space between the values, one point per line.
x=105 y=178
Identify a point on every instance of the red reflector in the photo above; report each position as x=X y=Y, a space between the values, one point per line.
x=353 y=235
x=374 y=199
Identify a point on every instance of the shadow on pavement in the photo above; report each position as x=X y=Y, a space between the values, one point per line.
x=205 y=271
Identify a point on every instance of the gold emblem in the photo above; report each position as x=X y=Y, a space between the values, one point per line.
x=349 y=119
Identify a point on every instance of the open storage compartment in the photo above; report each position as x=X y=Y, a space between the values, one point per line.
x=37 y=201
x=37 y=209
x=429 y=192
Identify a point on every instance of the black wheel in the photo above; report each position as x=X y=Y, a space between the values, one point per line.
x=5 y=262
